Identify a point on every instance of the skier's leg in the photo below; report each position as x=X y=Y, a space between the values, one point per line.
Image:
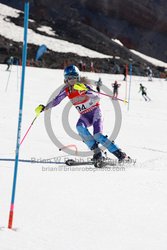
x=148 y=98
x=111 y=146
x=114 y=93
x=144 y=96
x=97 y=131
x=100 y=138
x=84 y=133
x=8 y=65
x=98 y=89
x=89 y=140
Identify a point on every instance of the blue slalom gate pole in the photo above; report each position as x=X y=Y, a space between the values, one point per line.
x=130 y=85
x=24 y=59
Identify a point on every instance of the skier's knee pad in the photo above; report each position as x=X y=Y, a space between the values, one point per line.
x=99 y=137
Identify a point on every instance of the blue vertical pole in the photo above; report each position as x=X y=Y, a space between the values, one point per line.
x=24 y=59
x=126 y=84
x=130 y=85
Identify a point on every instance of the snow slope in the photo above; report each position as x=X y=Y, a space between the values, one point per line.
x=83 y=208
x=15 y=33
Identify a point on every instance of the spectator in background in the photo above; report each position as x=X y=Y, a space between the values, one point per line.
x=98 y=84
x=80 y=65
x=9 y=62
x=115 y=86
x=116 y=68
x=15 y=61
x=83 y=66
x=149 y=73
x=92 y=67
x=166 y=74
x=125 y=73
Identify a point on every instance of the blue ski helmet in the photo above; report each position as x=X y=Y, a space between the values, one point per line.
x=71 y=70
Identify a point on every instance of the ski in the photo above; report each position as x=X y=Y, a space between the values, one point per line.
x=97 y=164
x=101 y=163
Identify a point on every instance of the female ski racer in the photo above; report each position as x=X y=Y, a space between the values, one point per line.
x=87 y=104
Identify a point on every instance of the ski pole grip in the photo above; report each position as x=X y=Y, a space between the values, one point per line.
x=39 y=109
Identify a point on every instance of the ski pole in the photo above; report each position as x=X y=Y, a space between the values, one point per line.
x=111 y=96
x=38 y=110
x=28 y=130
x=81 y=86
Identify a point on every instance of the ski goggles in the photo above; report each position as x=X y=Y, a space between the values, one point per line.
x=71 y=77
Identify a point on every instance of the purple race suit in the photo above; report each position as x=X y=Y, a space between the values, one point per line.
x=87 y=104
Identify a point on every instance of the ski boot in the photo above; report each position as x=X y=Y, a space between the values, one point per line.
x=122 y=157
x=98 y=158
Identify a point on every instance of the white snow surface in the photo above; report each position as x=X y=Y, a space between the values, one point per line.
x=154 y=61
x=15 y=33
x=47 y=30
x=79 y=209
x=117 y=41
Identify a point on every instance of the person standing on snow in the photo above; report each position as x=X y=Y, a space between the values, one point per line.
x=98 y=84
x=143 y=92
x=9 y=62
x=87 y=104
x=115 y=86
x=150 y=73
x=125 y=73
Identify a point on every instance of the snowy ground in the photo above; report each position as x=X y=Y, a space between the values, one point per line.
x=85 y=209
